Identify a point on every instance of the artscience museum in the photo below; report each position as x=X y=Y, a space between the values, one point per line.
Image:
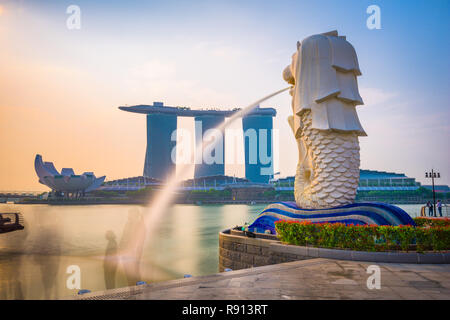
x=66 y=182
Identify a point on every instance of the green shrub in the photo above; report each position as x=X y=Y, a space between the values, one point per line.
x=432 y=222
x=365 y=238
x=405 y=235
x=440 y=238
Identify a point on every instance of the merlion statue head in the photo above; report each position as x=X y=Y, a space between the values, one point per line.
x=324 y=73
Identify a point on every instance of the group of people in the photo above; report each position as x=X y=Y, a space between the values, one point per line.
x=431 y=208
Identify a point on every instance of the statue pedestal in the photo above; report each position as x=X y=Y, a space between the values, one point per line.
x=363 y=213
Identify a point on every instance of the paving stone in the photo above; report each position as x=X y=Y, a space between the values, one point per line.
x=446 y=257
x=265 y=251
x=239 y=247
x=334 y=254
x=253 y=249
x=246 y=258
x=260 y=261
x=281 y=248
x=308 y=279
x=313 y=252
x=431 y=258
x=410 y=293
x=408 y=275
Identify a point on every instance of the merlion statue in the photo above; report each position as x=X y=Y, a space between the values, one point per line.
x=325 y=124
x=323 y=74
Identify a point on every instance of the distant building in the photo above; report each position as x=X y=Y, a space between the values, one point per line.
x=369 y=180
x=438 y=188
x=66 y=182
x=211 y=182
x=248 y=191
x=217 y=182
x=162 y=122
x=130 y=184
x=257 y=133
x=158 y=155
x=204 y=123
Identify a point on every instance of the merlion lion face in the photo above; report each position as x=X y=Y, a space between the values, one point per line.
x=305 y=164
x=288 y=73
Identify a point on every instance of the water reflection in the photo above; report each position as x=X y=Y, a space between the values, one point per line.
x=111 y=260
x=131 y=251
x=33 y=261
x=12 y=284
x=47 y=251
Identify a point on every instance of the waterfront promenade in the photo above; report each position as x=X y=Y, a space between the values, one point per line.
x=307 y=279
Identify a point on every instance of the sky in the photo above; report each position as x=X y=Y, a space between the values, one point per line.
x=60 y=88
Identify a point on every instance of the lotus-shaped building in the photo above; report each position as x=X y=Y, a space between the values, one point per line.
x=66 y=181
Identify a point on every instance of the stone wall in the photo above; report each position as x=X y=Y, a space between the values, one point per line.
x=237 y=251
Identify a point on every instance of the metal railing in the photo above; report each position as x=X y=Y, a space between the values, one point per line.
x=19 y=193
x=11 y=221
x=424 y=211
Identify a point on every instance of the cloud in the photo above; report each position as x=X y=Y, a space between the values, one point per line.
x=376 y=96
x=219 y=49
x=154 y=69
x=171 y=82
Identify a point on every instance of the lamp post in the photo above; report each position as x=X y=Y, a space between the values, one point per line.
x=433 y=175
x=272 y=177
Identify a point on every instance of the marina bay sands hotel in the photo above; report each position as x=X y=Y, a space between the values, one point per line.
x=162 y=121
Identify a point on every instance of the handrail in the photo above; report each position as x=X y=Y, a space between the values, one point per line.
x=18 y=218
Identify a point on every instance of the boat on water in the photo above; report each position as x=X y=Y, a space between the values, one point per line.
x=10 y=222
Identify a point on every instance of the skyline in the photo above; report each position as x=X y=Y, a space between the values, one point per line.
x=60 y=88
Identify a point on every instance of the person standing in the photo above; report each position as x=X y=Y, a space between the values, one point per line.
x=439 y=207
x=430 y=209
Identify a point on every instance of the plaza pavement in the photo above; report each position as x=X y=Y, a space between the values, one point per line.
x=307 y=279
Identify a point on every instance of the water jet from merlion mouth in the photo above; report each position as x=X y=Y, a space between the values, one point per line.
x=164 y=197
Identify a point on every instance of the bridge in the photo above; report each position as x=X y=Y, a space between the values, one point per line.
x=14 y=196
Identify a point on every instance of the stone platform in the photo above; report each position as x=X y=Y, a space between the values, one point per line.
x=239 y=251
x=307 y=279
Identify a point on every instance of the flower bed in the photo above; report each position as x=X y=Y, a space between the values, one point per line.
x=364 y=238
x=432 y=222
